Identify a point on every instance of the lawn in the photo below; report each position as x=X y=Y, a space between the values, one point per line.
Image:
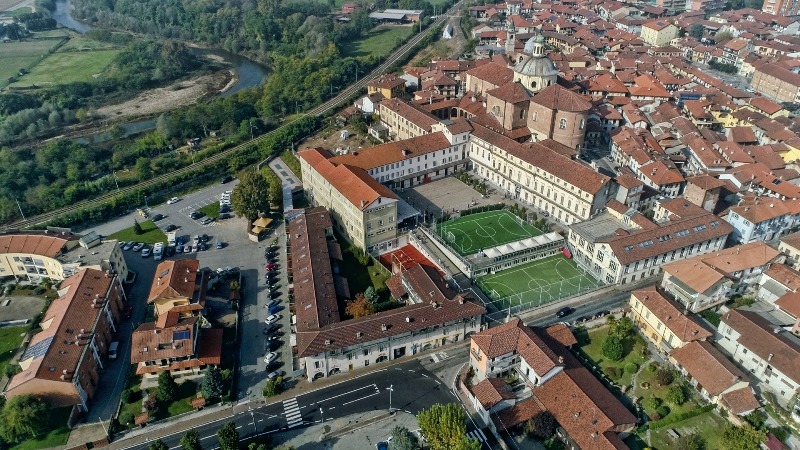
x=656 y=390
x=360 y=276
x=292 y=163
x=708 y=425
x=535 y=283
x=380 y=41
x=21 y=55
x=470 y=234
x=54 y=439
x=590 y=344
x=17 y=12
x=10 y=340
x=68 y=67
x=211 y=210
x=151 y=234
x=187 y=391
x=83 y=44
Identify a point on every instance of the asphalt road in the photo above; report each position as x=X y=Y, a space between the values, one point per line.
x=585 y=310
x=367 y=393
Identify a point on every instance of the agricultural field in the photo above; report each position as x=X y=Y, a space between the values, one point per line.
x=380 y=42
x=65 y=67
x=17 y=12
x=22 y=55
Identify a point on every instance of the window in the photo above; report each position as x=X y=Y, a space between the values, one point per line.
x=366 y=362
x=496 y=110
x=535 y=116
x=316 y=364
x=366 y=352
x=562 y=124
x=583 y=122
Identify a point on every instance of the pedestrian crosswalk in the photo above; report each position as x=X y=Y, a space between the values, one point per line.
x=292 y=412
x=477 y=434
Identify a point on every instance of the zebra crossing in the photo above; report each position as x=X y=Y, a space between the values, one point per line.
x=292 y=412
x=478 y=435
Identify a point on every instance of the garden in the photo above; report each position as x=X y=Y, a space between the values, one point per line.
x=614 y=349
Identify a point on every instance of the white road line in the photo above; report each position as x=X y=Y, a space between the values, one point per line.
x=207 y=437
x=434 y=358
x=362 y=398
x=424 y=375
x=349 y=392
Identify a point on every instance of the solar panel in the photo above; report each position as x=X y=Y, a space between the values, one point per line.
x=164 y=273
x=180 y=335
x=38 y=349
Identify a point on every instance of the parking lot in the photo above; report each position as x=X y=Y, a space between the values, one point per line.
x=237 y=251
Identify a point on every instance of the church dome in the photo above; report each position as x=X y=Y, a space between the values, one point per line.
x=536 y=67
x=529 y=45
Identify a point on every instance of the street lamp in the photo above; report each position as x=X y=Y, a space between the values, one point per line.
x=321 y=414
x=253 y=416
x=390 y=389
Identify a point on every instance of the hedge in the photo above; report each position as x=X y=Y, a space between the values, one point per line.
x=674 y=418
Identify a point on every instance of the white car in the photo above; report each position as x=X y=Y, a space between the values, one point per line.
x=269 y=357
x=145 y=252
x=173 y=200
x=128 y=245
x=274 y=374
x=273 y=318
x=138 y=246
x=158 y=251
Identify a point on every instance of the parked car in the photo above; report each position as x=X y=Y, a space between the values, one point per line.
x=275 y=374
x=173 y=200
x=207 y=220
x=275 y=309
x=197 y=214
x=269 y=357
x=179 y=249
x=273 y=302
x=170 y=227
x=226 y=179
x=138 y=246
x=157 y=217
x=273 y=318
x=224 y=216
x=382 y=445
x=146 y=252
x=187 y=249
x=271 y=266
x=220 y=244
x=565 y=311
x=169 y=251
x=128 y=245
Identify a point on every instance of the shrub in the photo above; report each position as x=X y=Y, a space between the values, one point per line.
x=652 y=403
x=652 y=367
x=665 y=376
x=612 y=372
x=631 y=368
x=126 y=418
x=612 y=348
x=654 y=417
x=676 y=395
x=663 y=410
x=126 y=397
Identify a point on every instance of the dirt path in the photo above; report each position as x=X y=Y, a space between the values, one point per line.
x=167 y=98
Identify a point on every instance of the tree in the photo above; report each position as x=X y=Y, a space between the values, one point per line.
x=143 y=168
x=543 y=425
x=402 y=439
x=665 y=376
x=696 y=31
x=251 y=195
x=723 y=36
x=167 y=387
x=742 y=438
x=676 y=395
x=213 y=386
x=612 y=347
x=158 y=444
x=757 y=419
x=359 y=307
x=444 y=427
x=691 y=442
x=623 y=327
x=371 y=295
x=24 y=417
x=272 y=387
x=137 y=227
x=191 y=440
x=228 y=437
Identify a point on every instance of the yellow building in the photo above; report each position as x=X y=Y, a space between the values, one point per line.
x=661 y=321
x=659 y=32
x=363 y=210
x=389 y=85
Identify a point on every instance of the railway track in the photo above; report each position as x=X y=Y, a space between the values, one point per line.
x=328 y=105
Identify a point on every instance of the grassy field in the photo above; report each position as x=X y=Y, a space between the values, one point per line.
x=590 y=343
x=535 y=283
x=485 y=230
x=54 y=439
x=67 y=67
x=10 y=340
x=17 y=12
x=19 y=55
x=381 y=40
x=151 y=234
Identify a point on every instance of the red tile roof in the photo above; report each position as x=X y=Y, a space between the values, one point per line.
x=35 y=244
x=669 y=313
x=174 y=279
x=740 y=401
x=557 y=97
x=392 y=152
x=514 y=336
x=758 y=336
x=493 y=73
x=510 y=93
x=491 y=391
x=706 y=364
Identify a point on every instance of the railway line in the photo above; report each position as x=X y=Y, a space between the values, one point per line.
x=327 y=106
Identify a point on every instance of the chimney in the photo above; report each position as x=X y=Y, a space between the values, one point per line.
x=363 y=203
x=769 y=358
x=327 y=342
x=408 y=319
x=359 y=335
x=384 y=327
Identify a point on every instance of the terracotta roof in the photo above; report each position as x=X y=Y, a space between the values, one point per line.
x=391 y=152
x=510 y=93
x=59 y=348
x=174 y=279
x=784 y=275
x=387 y=81
x=522 y=411
x=352 y=182
x=557 y=97
x=706 y=364
x=544 y=158
x=740 y=401
x=493 y=73
x=491 y=391
x=758 y=336
x=660 y=174
x=514 y=336
x=705 y=182
x=743 y=135
x=781 y=73
x=410 y=112
x=562 y=334
x=658 y=25
x=669 y=313
x=701 y=272
x=792 y=240
x=766 y=209
x=606 y=82
x=312 y=273
x=150 y=343
x=35 y=244
x=441 y=305
x=764 y=104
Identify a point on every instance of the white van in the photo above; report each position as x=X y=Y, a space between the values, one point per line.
x=112 y=350
x=158 y=251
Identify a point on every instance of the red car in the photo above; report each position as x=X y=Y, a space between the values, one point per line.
x=271 y=266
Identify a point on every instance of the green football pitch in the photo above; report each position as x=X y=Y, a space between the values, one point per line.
x=469 y=234
x=536 y=283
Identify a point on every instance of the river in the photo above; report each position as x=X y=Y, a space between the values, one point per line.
x=248 y=73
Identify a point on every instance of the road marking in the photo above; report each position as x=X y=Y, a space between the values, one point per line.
x=424 y=375
x=477 y=435
x=350 y=392
x=437 y=381
x=434 y=357
x=362 y=398
x=292 y=412
x=207 y=437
